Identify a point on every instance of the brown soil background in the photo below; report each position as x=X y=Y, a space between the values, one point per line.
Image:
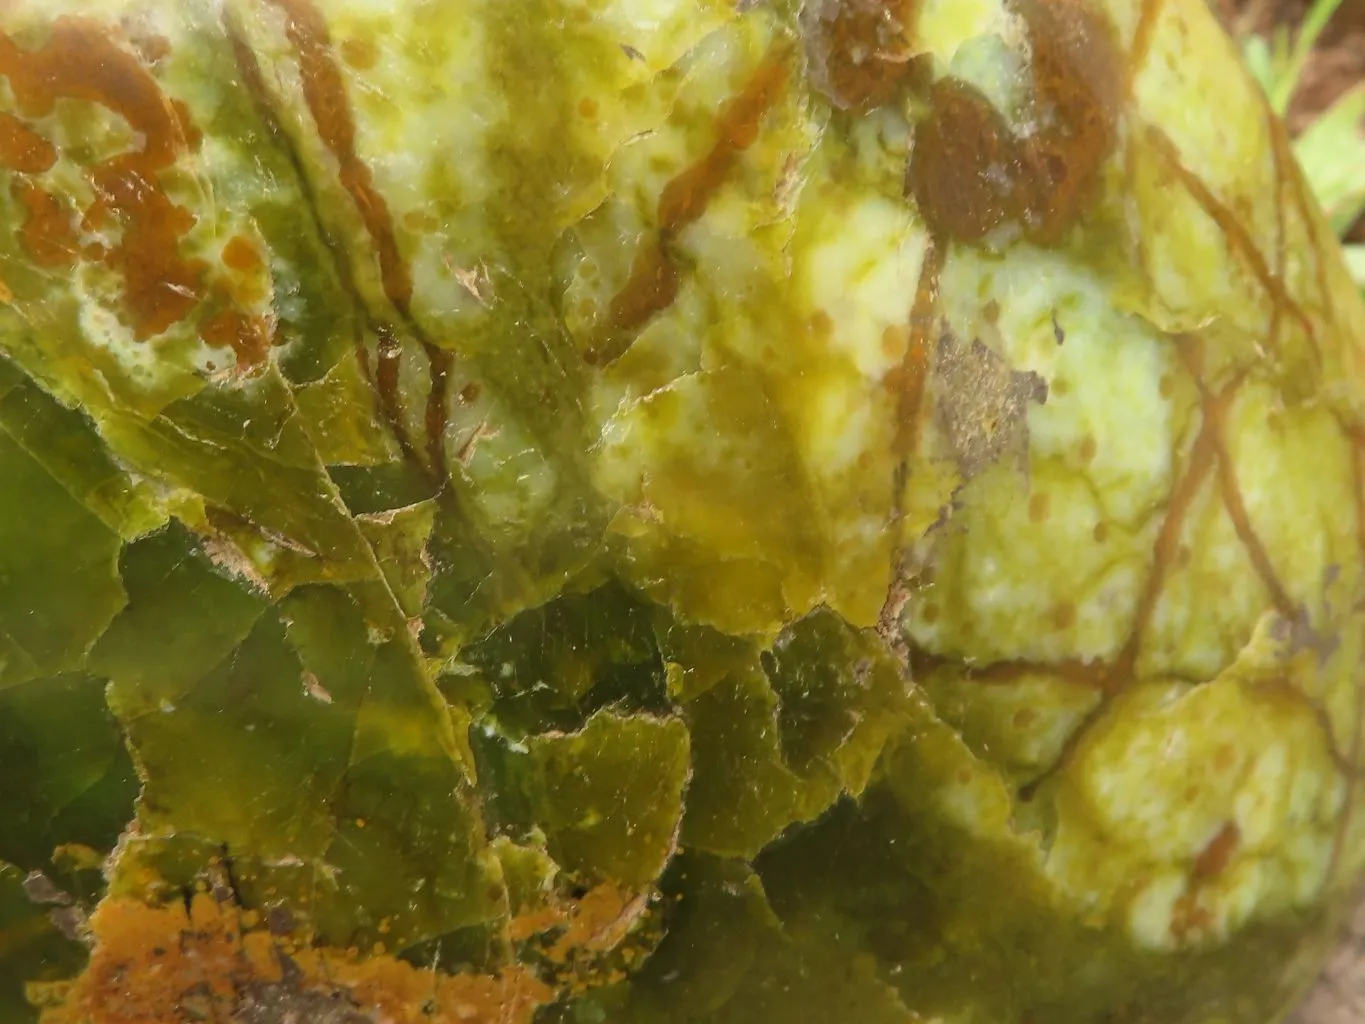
x=1336 y=66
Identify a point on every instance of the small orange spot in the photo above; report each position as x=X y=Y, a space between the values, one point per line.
x=1024 y=717
x=1214 y=858
x=248 y=336
x=240 y=255
x=360 y=823
x=895 y=339
x=1040 y=507
x=470 y=393
x=1100 y=532
x=1064 y=615
x=1088 y=448
x=587 y=107
x=360 y=52
x=1167 y=385
x=964 y=775
x=991 y=314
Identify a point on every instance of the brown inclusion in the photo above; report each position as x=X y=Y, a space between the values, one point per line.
x=48 y=231
x=859 y=50
x=970 y=173
x=79 y=62
x=1209 y=454
x=23 y=149
x=325 y=93
x=654 y=277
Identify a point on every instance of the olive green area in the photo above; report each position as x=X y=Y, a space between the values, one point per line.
x=33 y=949
x=251 y=619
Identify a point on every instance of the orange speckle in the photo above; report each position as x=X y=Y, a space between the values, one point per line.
x=894 y=340
x=360 y=52
x=587 y=107
x=1040 y=507
x=248 y=336
x=241 y=255
x=150 y=964
x=1088 y=448
x=80 y=62
x=360 y=823
x=1100 y=532
x=1214 y=858
x=1064 y=615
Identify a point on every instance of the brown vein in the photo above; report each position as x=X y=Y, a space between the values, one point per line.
x=654 y=277
x=325 y=92
x=1238 y=239
x=1288 y=166
x=1203 y=458
x=909 y=378
x=1142 y=38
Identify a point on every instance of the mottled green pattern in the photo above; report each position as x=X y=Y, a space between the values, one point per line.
x=832 y=512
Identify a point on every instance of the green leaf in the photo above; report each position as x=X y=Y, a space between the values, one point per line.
x=1288 y=79
x=1355 y=261
x=1332 y=154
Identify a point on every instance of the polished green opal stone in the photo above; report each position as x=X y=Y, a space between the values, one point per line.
x=592 y=511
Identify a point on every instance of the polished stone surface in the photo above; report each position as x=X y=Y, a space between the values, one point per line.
x=668 y=510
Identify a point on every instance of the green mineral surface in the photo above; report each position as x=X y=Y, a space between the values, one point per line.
x=584 y=511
